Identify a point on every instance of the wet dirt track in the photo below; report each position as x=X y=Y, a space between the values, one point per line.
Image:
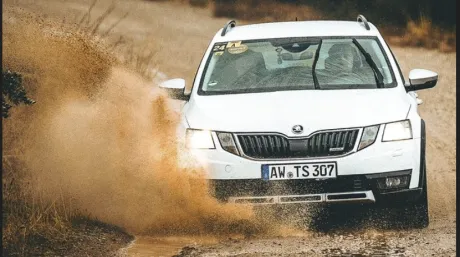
x=169 y=26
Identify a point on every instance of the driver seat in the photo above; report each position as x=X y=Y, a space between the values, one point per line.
x=330 y=63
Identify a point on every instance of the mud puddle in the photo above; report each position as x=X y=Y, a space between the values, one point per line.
x=147 y=246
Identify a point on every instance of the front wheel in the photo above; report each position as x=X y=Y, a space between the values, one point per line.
x=415 y=214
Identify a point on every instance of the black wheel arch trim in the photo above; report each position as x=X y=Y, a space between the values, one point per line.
x=422 y=155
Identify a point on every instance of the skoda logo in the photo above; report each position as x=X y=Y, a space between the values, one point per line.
x=297 y=129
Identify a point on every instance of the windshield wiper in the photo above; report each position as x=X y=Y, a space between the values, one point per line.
x=377 y=74
x=313 y=72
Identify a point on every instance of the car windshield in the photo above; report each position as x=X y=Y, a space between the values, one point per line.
x=296 y=64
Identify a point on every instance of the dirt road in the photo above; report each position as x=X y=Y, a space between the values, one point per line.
x=181 y=34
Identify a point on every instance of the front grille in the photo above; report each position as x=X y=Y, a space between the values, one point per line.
x=264 y=146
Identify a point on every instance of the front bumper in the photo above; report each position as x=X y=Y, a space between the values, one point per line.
x=343 y=189
x=238 y=179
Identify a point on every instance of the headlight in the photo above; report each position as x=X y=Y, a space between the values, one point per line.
x=400 y=130
x=199 y=139
x=368 y=136
x=227 y=142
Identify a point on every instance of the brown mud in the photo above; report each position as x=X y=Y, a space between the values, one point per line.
x=103 y=139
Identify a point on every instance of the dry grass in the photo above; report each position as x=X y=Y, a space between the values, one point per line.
x=199 y=3
x=28 y=219
x=270 y=10
x=31 y=220
x=139 y=57
x=423 y=33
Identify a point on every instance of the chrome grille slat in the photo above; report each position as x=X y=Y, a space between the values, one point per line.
x=353 y=139
x=270 y=140
x=333 y=138
x=283 y=142
x=350 y=136
x=312 y=144
x=243 y=142
x=318 y=142
x=339 y=140
x=344 y=139
x=259 y=146
x=324 y=144
x=268 y=146
x=253 y=145
x=276 y=146
x=262 y=145
x=277 y=142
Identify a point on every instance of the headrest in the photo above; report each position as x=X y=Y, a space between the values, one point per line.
x=340 y=48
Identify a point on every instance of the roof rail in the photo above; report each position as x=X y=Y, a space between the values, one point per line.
x=227 y=27
x=362 y=19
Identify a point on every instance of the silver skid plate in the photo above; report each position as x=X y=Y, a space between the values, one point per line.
x=360 y=196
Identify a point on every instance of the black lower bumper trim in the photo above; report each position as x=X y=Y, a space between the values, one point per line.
x=405 y=195
x=347 y=196
x=223 y=189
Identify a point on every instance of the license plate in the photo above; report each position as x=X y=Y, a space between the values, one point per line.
x=299 y=171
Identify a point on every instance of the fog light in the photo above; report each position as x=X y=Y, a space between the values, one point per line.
x=393 y=182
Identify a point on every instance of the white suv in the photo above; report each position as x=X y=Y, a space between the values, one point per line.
x=311 y=111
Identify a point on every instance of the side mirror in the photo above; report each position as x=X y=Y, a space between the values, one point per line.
x=175 y=89
x=421 y=79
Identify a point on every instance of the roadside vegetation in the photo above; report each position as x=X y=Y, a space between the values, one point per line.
x=45 y=54
x=427 y=23
x=422 y=33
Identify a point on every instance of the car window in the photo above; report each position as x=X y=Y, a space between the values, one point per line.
x=294 y=64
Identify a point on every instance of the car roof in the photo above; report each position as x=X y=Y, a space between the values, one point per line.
x=296 y=29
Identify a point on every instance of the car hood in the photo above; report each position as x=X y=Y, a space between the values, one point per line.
x=280 y=111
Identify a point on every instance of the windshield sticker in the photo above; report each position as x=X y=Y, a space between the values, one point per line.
x=233 y=44
x=219 y=53
x=218 y=48
x=237 y=50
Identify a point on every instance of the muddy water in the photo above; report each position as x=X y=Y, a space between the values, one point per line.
x=146 y=246
x=289 y=223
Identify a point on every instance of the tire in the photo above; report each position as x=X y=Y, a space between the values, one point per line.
x=417 y=212
x=406 y=213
